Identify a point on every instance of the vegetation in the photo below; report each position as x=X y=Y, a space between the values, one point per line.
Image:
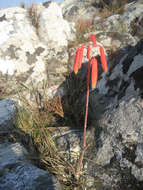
x=33 y=15
x=108 y=8
x=93 y=70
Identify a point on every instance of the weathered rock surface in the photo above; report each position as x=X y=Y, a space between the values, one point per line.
x=16 y=172
x=7 y=112
x=121 y=82
x=53 y=28
x=129 y=21
x=32 y=52
x=75 y=9
x=118 y=161
x=29 y=50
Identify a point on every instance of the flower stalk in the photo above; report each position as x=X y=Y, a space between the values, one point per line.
x=93 y=71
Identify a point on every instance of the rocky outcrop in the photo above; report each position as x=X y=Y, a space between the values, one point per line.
x=74 y=10
x=122 y=81
x=53 y=28
x=31 y=42
x=7 y=112
x=118 y=161
x=129 y=21
x=16 y=171
x=35 y=49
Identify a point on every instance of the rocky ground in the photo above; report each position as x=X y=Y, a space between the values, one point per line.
x=36 y=57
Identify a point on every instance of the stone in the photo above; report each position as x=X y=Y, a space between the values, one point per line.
x=16 y=172
x=123 y=78
x=25 y=60
x=129 y=21
x=7 y=112
x=53 y=28
x=76 y=10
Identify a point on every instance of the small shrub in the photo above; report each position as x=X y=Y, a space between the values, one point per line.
x=83 y=26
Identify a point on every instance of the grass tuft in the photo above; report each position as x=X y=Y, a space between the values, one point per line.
x=34 y=126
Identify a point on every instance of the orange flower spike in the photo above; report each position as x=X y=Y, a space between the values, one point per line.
x=88 y=52
x=94 y=73
x=76 y=61
x=103 y=59
x=93 y=40
x=81 y=50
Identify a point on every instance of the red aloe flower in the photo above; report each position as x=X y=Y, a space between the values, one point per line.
x=80 y=56
x=93 y=40
x=103 y=59
x=76 y=61
x=94 y=73
x=93 y=68
x=88 y=52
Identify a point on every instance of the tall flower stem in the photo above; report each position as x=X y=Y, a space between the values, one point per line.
x=79 y=164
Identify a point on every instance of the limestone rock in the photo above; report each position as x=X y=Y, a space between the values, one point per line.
x=81 y=9
x=53 y=28
x=24 y=58
x=7 y=112
x=130 y=21
x=122 y=81
x=121 y=139
x=16 y=172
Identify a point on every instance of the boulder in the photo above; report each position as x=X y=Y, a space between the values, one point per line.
x=30 y=47
x=74 y=10
x=7 y=112
x=16 y=172
x=117 y=160
x=121 y=82
x=53 y=28
x=128 y=21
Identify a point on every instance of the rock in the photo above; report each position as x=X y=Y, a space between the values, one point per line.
x=120 y=142
x=11 y=154
x=7 y=112
x=75 y=10
x=130 y=21
x=121 y=82
x=68 y=143
x=114 y=40
x=16 y=172
x=53 y=28
x=23 y=53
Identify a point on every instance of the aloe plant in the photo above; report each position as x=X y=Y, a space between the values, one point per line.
x=93 y=70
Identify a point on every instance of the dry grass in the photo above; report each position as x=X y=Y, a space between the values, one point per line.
x=83 y=25
x=32 y=131
x=108 y=10
x=34 y=126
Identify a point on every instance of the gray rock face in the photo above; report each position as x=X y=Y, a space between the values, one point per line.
x=53 y=28
x=120 y=144
x=74 y=10
x=121 y=82
x=130 y=21
x=28 y=50
x=7 y=111
x=115 y=133
x=16 y=172
x=11 y=154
